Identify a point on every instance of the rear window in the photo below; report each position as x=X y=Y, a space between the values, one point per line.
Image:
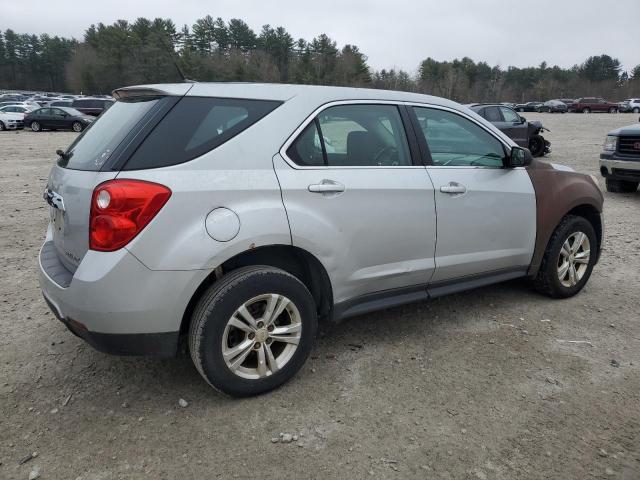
x=96 y=144
x=195 y=126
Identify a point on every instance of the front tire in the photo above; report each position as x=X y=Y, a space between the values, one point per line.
x=35 y=126
x=586 y=110
x=536 y=145
x=636 y=110
x=620 y=186
x=1 y=126
x=569 y=258
x=252 y=330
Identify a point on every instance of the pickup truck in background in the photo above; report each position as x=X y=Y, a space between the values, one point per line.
x=620 y=159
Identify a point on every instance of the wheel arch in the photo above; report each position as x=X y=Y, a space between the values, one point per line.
x=294 y=260
x=590 y=213
x=561 y=192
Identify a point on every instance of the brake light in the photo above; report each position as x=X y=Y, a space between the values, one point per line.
x=120 y=209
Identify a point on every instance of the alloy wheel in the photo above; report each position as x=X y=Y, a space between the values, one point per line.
x=574 y=259
x=261 y=336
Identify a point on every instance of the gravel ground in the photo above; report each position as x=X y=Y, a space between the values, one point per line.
x=479 y=385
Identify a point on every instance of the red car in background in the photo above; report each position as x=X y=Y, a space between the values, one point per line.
x=592 y=104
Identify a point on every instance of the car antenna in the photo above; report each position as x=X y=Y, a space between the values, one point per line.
x=172 y=54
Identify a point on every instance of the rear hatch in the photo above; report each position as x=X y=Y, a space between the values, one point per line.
x=90 y=160
x=144 y=129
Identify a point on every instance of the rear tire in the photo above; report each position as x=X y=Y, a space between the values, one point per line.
x=586 y=110
x=613 y=110
x=620 y=186
x=552 y=280
x=219 y=325
x=77 y=127
x=1 y=126
x=636 y=110
x=35 y=126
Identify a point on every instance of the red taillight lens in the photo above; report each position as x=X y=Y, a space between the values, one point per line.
x=120 y=209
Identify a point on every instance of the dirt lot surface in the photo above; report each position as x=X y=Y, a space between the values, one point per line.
x=480 y=385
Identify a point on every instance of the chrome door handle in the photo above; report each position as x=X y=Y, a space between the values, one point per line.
x=453 y=188
x=326 y=186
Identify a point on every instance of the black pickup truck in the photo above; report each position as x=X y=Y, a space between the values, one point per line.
x=620 y=159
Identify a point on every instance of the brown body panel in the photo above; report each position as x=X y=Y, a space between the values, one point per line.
x=558 y=193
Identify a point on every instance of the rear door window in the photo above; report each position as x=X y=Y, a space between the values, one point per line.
x=353 y=136
x=195 y=126
x=364 y=135
x=492 y=114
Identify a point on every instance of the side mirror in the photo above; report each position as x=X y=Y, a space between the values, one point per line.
x=519 y=157
x=523 y=120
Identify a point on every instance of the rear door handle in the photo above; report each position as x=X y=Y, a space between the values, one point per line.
x=326 y=186
x=453 y=188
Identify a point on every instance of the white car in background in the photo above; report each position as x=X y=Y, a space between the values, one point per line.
x=23 y=109
x=29 y=105
x=11 y=120
x=630 y=105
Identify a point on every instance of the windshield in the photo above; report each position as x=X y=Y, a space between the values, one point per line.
x=96 y=144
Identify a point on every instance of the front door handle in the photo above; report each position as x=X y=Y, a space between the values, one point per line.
x=453 y=188
x=326 y=186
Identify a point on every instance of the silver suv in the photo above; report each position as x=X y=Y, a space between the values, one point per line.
x=237 y=216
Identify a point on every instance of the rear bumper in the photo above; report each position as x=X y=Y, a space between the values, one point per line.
x=149 y=344
x=118 y=305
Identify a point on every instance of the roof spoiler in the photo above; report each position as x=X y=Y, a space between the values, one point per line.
x=121 y=93
x=151 y=90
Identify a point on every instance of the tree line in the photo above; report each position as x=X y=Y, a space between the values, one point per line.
x=156 y=51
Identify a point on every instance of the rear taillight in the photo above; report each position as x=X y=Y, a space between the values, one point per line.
x=120 y=209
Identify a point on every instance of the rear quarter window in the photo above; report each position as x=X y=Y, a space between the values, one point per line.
x=195 y=126
x=94 y=147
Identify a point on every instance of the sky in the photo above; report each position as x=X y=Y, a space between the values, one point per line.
x=392 y=33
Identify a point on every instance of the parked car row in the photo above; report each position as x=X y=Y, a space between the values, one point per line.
x=91 y=105
x=50 y=111
x=578 y=105
x=48 y=118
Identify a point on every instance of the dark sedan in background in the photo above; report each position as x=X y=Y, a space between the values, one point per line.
x=58 y=118
x=554 y=106
x=528 y=107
